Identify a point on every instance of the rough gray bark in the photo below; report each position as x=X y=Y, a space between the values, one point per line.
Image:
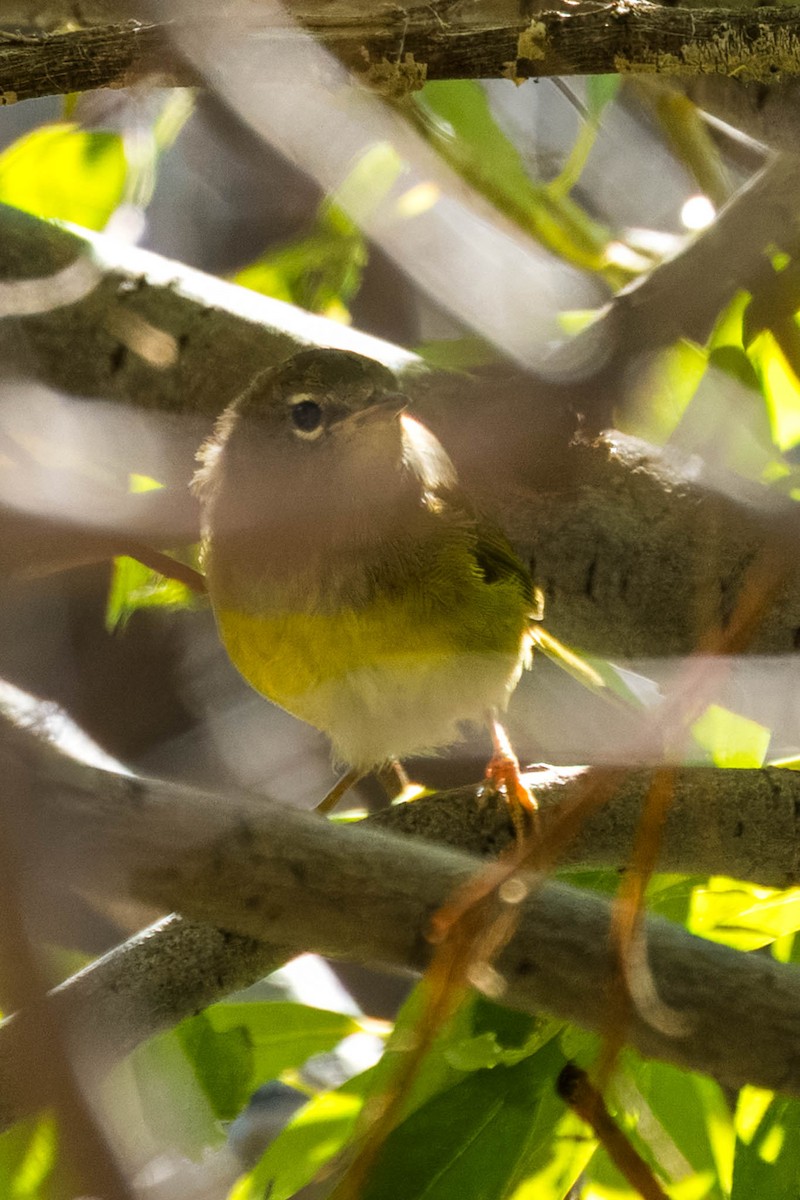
x=289 y=878
x=147 y=985
x=745 y=824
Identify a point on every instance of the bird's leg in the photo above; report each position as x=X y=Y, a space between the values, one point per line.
x=339 y=789
x=504 y=775
x=397 y=784
x=393 y=778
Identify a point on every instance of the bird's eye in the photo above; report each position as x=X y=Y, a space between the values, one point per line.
x=307 y=418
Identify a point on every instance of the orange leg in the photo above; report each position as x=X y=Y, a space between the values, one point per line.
x=504 y=776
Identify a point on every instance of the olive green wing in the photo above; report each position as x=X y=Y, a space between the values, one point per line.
x=497 y=561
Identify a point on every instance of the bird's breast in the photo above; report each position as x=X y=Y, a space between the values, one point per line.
x=383 y=682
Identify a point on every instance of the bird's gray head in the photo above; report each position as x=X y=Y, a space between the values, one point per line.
x=305 y=416
x=317 y=453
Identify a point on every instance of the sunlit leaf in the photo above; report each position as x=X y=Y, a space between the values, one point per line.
x=134 y=586
x=478 y=1138
x=727 y=420
x=682 y=1122
x=322 y=270
x=671 y=896
x=767 y=1160
x=457 y=118
x=457 y=354
x=367 y=184
x=728 y=329
x=65 y=172
x=311 y=1139
x=781 y=389
x=27 y=1161
x=662 y=392
x=731 y=739
x=743 y=915
x=175 y=112
x=575 y=320
x=280 y=1035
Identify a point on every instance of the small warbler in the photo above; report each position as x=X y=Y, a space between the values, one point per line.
x=351 y=580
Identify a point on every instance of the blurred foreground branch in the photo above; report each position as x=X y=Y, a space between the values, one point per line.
x=396 y=49
x=298 y=883
x=639 y=551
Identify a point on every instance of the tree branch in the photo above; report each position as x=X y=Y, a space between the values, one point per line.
x=401 y=48
x=286 y=877
x=147 y=985
x=745 y=824
x=583 y=513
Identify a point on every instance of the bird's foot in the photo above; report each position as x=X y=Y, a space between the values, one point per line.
x=503 y=775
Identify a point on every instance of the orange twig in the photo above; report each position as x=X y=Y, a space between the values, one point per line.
x=583 y=1098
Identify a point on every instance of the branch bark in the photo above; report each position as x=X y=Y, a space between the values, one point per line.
x=398 y=50
x=288 y=878
x=628 y=542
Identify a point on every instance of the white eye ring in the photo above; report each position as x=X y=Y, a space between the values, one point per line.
x=305 y=412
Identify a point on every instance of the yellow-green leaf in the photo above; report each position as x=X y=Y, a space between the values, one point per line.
x=731 y=739
x=63 y=172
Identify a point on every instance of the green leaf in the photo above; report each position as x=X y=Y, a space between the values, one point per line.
x=322 y=271
x=767 y=1159
x=280 y=1035
x=671 y=896
x=682 y=1122
x=134 y=586
x=735 y=362
x=28 y=1160
x=61 y=171
x=457 y=354
x=204 y=1071
x=780 y=386
x=311 y=1139
x=480 y=1138
x=178 y=1112
x=664 y=391
x=479 y=1035
x=457 y=119
x=742 y=915
x=729 y=421
x=731 y=740
x=223 y=1064
x=600 y=91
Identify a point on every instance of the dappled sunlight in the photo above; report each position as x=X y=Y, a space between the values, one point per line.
x=361 y=415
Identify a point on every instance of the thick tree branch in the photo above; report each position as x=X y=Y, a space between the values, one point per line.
x=400 y=48
x=745 y=824
x=147 y=985
x=629 y=543
x=742 y=823
x=291 y=879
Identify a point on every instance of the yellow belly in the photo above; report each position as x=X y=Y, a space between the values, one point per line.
x=380 y=683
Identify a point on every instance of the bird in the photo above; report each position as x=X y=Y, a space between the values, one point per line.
x=352 y=580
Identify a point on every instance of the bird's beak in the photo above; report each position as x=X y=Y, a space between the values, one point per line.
x=392 y=405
